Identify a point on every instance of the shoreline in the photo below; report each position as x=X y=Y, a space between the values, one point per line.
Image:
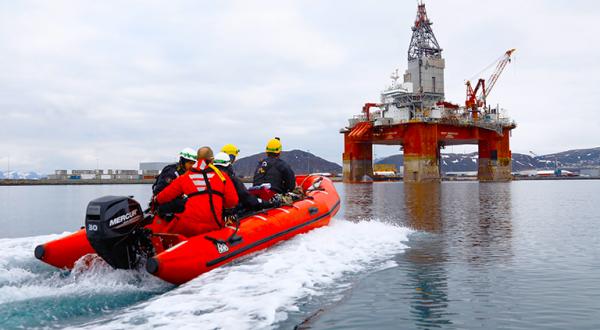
x=25 y=182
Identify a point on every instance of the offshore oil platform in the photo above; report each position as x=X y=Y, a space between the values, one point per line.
x=415 y=115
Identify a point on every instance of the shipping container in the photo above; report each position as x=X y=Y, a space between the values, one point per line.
x=127 y=172
x=79 y=172
x=127 y=177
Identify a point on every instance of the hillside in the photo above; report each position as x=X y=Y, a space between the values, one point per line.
x=300 y=161
x=304 y=162
x=578 y=158
x=572 y=159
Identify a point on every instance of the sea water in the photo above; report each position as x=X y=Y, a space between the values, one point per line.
x=451 y=255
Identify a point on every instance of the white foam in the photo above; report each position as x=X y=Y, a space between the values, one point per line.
x=22 y=277
x=261 y=290
x=17 y=254
x=22 y=248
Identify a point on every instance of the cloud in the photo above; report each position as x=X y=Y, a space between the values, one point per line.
x=137 y=81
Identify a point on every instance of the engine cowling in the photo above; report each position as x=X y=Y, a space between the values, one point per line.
x=113 y=225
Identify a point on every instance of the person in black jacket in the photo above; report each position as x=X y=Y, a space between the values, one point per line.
x=187 y=159
x=275 y=171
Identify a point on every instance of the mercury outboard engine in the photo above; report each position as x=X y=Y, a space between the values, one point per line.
x=114 y=228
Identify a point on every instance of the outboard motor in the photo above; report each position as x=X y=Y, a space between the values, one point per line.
x=114 y=228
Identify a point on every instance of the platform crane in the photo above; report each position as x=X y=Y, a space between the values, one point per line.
x=477 y=97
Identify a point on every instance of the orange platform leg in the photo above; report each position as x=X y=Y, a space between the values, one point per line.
x=358 y=161
x=421 y=153
x=495 y=159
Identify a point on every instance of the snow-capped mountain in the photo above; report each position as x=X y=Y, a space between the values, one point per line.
x=14 y=175
x=572 y=159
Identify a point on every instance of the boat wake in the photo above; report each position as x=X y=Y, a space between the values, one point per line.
x=33 y=294
x=262 y=290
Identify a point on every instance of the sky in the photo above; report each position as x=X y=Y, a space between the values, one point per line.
x=114 y=83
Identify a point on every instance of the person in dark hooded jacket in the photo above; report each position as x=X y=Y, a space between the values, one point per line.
x=275 y=171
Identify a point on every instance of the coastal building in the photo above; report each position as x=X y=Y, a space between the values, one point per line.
x=96 y=174
x=591 y=172
x=150 y=170
x=153 y=166
x=147 y=171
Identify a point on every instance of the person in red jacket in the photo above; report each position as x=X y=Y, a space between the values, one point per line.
x=208 y=192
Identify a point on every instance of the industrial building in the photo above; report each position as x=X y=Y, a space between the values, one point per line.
x=153 y=166
x=414 y=114
x=590 y=172
x=147 y=171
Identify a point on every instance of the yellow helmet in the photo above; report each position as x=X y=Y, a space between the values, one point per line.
x=230 y=149
x=274 y=146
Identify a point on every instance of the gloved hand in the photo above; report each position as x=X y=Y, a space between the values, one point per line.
x=163 y=213
x=178 y=205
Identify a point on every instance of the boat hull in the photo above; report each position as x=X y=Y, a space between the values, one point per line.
x=179 y=259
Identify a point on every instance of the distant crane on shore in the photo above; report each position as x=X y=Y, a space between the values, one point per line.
x=555 y=160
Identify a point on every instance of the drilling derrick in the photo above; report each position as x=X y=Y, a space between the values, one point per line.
x=414 y=114
x=425 y=63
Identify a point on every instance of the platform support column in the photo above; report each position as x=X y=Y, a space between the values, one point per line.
x=421 y=153
x=358 y=161
x=495 y=159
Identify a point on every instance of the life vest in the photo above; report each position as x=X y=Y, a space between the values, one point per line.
x=200 y=177
x=208 y=192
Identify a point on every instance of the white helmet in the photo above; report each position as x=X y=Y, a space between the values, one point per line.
x=188 y=153
x=222 y=159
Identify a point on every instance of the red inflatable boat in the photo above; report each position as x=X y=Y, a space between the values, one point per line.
x=118 y=231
